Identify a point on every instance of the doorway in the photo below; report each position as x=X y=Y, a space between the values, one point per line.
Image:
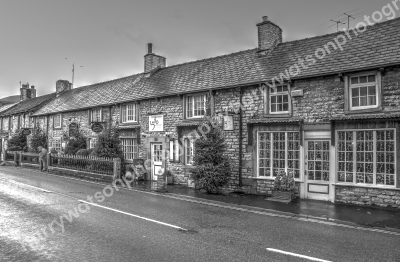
x=156 y=160
x=317 y=169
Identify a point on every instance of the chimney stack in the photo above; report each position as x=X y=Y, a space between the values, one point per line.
x=152 y=61
x=269 y=34
x=26 y=92
x=62 y=85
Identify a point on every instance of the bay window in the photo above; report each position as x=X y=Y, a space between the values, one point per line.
x=278 y=151
x=366 y=157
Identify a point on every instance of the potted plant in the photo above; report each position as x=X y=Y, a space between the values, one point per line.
x=284 y=186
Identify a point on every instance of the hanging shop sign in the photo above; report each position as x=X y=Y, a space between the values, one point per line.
x=228 y=123
x=97 y=127
x=156 y=123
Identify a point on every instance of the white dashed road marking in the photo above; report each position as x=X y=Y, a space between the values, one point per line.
x=132 y=215
x=296 y=255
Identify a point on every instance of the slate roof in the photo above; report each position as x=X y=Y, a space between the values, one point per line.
x=395 y=115
x=10 y=100
x=5 y=107
x=378 y=46
x=28 y=105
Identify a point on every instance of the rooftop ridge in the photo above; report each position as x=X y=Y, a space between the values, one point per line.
x=336 y=33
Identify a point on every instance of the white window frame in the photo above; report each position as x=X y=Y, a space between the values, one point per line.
x=130 y=150
x=351 y=86
x=125 y=110
x=56 y=144
x=92 y=142
x=374 y=184
x=270 y=94
x=59 y=124
x=192 y=97
x=271 y=176
x=189 y=151
x=96 y=112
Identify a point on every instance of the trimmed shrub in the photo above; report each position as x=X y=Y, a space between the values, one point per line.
x=18 y=139
x=212 y=167
x=38 y=138
x=77 y=142
x=84 y=152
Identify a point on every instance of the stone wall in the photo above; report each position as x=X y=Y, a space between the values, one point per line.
x=368 y=196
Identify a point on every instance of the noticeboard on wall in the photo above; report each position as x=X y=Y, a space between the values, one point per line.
x=228 y=123
x=156 y=123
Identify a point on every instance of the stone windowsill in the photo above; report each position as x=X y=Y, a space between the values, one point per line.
x=367 y=186
x=271 y=179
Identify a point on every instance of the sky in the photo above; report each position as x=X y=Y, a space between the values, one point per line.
x=41 y=39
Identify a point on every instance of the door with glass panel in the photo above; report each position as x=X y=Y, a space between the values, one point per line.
x=156 y=160
x=317 y=169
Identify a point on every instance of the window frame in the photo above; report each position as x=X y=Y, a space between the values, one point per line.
x=186 y=102
x=53 y=141
x=188 y=143
x=100 y=109
x=348 y=92
x=91 y=141
x=134 y=145
x=271 y=176
x=54 y=121
x=354 y=183
x=125 y=112
x=267 y=101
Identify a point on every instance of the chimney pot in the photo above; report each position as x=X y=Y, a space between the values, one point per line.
x=33 y=87
x=149 y=48
x=265 y=18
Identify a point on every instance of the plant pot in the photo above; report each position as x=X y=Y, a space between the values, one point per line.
x=190 y=183
x=281 y=196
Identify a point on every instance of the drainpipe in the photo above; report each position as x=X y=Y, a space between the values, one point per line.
x=240 y=137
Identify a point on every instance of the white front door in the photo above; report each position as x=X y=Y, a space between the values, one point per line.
x=156 y=160
x=317 y=169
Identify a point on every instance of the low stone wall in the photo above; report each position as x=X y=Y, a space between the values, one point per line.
x=367 y=196
x=81 y=174
x=264 y=187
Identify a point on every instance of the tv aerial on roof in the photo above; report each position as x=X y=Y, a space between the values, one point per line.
x=339 y=18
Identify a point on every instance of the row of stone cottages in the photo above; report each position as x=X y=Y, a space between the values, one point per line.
x=334 y=123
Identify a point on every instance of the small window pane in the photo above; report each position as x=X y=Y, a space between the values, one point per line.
x=273 y=108
x=285 y=98
x=371 y=78
x=363 y=91
x=371 y=100
x=363 y=101
x=355 y=92
x=363 y=79
x=355 y=102
x=273 y=99
x=371 y=90
x=354 y=80
x=284 y=89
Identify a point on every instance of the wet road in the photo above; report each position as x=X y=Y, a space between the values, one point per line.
x=137 y=226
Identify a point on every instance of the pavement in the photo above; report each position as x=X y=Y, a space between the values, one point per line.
x=139 y=224
x=361 y=215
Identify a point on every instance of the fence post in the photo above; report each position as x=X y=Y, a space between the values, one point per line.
x=116 y=168
x=48 y=159
x=20 y=158
x=15 y=158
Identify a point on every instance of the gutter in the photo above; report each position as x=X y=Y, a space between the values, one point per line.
x=240 y=137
